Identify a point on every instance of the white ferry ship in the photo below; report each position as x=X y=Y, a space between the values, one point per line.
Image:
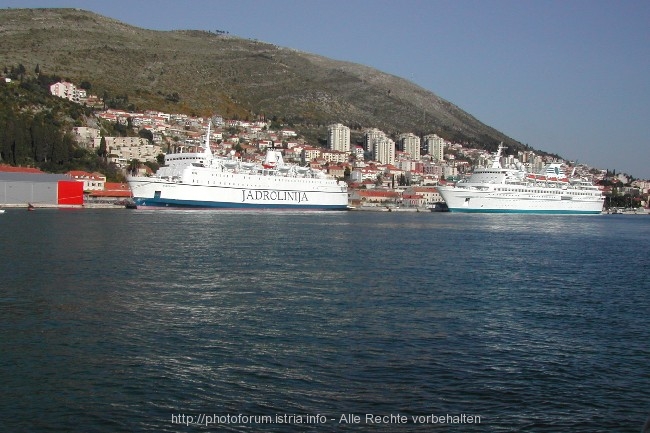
x=204 y=180
x=497 y=189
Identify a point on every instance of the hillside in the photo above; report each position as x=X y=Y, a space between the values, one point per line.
x=237 y=78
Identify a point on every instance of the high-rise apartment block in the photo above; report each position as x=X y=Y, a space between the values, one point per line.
x=436 y=146
x=370 y=138
x=380 y=146
x=410 y=143
x=338 y=137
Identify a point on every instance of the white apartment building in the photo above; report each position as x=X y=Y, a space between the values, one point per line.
x=358 y=152
x=123 y=149
x=384 y=151
x=148 y=152
x=408 y=165
x=66 y=90
x=380 y=146
x=371 y=137
x=334 y=156
x=309 y=153
x=92 y=181
x=85 y=136
x=436 y=146
x=288 y=133
x=410 y=143
x=338 y=137
x=449 y=171
x=115 y=142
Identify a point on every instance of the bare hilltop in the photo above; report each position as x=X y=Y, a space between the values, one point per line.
x=199 y=72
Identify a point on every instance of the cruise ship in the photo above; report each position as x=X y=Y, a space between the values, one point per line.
x=514 y=190
x=205 y=180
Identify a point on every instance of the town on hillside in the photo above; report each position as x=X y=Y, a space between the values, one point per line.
x=380 y=171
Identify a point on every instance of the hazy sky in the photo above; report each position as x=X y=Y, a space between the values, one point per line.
x=565 y=76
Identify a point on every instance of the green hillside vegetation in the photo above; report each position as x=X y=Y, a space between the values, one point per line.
x=35 y=127
x=202 y=73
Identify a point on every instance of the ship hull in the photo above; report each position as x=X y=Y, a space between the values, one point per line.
x=469 y=201
x=152 y=192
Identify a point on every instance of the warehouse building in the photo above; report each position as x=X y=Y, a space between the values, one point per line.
x=21 y=187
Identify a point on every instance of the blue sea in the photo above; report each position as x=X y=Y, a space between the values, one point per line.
x=165 y=321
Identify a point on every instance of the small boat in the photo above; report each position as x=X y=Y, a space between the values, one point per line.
x=2 y=211
x=30 y=207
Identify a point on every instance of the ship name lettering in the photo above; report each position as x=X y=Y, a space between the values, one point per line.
x=271 y=195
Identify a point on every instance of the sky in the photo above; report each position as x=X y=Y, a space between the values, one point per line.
x=570 y=77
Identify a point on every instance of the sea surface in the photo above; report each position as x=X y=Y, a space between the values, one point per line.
x=163 y=321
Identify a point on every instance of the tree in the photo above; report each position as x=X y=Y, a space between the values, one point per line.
x=21 y=71
x=152 y=165
x=173 y=97
x=62 y=148
x=133 y=166
x=146 y=134
x=41 y=136
x=105 y=99
x=102 y=151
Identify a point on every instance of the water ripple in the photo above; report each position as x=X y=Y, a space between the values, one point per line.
x=533 y=323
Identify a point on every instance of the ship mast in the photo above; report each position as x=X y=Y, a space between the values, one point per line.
x=206 y=147
x=496 y=163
